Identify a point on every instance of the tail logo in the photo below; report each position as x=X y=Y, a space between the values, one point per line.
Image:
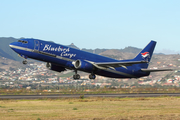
x=145 y=56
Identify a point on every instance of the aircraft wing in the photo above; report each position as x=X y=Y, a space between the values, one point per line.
x=155 y=70
x=118 y=64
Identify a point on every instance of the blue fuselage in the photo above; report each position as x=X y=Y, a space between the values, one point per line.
x=64 y=56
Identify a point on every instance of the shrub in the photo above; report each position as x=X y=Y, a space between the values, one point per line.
x=81 y=96
x=75 y=109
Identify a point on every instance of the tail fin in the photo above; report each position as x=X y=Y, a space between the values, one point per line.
x=146 y=54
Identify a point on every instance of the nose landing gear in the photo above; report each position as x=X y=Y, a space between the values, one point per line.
x=25 y=59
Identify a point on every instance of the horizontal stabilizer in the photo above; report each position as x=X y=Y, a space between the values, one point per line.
x=155 y=70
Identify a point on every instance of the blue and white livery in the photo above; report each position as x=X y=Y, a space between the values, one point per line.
x=60 y=57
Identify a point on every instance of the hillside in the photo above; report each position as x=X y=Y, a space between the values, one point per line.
x=125 y=50
x=10 y=64
x=118 y=54
x=6 y=51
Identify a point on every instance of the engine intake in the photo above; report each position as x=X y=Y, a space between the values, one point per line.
x=77 y=64
x=83 y=65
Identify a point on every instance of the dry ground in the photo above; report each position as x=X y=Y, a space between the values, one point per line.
x=164 y=108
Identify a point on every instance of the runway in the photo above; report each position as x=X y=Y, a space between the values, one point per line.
x=56 y=96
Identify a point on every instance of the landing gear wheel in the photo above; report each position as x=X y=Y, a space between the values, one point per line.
x=24 y=62
x=92 y=76
x=76 y=76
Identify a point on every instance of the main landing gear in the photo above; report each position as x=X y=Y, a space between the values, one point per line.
x=24 y=62
x=92 y=76
x=77 y=76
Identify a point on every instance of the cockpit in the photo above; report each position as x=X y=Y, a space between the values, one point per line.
x=23 y=41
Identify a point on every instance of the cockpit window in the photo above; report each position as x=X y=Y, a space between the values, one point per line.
x=22 y=41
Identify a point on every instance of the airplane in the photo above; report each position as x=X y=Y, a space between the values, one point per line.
x=60 y=58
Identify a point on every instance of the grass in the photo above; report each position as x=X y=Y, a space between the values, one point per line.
x=91 y=109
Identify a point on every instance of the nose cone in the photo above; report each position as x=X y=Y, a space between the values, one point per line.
x=14 y=46
x=11 y=45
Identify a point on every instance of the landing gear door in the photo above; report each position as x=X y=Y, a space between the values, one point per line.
x=36 y=45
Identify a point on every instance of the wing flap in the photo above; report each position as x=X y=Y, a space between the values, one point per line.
x=119 y=64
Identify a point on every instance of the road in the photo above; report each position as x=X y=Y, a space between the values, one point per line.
x=86 y=95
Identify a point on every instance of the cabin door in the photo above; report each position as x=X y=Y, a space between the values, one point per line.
x=36 y=45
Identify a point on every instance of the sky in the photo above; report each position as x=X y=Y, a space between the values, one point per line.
x=91 y=24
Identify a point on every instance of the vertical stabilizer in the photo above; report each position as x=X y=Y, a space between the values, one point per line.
x=146 y=54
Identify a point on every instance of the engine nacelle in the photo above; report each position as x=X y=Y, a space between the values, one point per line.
x=54 y=67
x=83 y=65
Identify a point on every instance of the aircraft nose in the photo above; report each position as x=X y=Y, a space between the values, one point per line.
x=11 y=45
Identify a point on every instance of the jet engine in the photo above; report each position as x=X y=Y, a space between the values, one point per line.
x=83 y=65
x=54 y=67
